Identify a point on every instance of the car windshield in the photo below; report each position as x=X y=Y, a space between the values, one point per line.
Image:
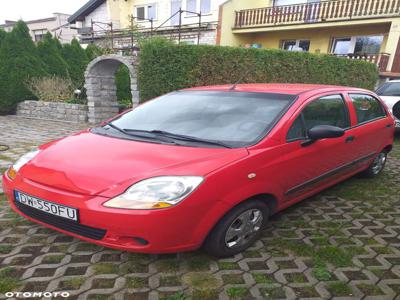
x=233 y=119
x=389 y=89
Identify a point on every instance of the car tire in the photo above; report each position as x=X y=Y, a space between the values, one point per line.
x=377 y=166
x=246 y=221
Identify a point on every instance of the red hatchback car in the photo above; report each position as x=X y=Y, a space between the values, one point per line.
x=201 y=167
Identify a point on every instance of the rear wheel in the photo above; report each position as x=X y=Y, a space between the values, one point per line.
x=377 y=166
x=238 y=229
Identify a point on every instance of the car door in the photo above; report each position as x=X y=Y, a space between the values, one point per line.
x=307 y=167
x=372 y=129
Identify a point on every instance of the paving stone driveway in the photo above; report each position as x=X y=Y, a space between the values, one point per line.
x=341 y=244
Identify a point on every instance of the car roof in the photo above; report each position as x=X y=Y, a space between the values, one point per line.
x=279 y=88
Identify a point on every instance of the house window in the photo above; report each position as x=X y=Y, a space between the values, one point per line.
x=342 y=46
x=368 y=44
x=358 y=45
x=152 y=12
x=39 y=34
x=140 y=13
x=176 y=5
x=146 y=12
x=296 y=45
x=191 y=5
x=205 y=6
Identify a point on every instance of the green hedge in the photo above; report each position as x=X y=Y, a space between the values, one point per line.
x=165 y=67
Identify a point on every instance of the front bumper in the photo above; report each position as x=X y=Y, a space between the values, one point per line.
x=170 y=230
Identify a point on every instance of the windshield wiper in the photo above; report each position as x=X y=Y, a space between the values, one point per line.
x=191 y=138
x=117 y=128
x=134 y=133
x=169 y=135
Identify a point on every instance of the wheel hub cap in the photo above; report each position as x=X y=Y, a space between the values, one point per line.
x=244 y=228
x=379 y=163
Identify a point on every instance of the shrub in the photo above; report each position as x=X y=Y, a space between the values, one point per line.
x=123 y=83
x=75 y=57
x=50 y=54
x=2 y=36
x=93 y=51
x=19 y=61
x=52 y=88
x=165 y=67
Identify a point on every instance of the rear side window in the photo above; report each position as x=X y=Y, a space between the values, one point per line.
x=367 y=108
x=328 y=110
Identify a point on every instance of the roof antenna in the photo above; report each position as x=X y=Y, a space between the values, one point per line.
x=233 y=87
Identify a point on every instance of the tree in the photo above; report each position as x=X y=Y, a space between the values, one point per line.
x=93 y=51
x=75 y=57
x=2 y=35
x=50 y=54
x=19 y=61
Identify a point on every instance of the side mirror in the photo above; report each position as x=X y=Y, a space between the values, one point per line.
x=323 y=132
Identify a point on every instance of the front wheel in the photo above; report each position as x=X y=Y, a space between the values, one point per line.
x=238 y=229
x=377 y=166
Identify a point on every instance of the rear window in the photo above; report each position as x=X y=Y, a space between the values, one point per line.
x=367 y=108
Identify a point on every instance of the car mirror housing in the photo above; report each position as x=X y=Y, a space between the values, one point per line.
x=325 y=132
x=320 y=132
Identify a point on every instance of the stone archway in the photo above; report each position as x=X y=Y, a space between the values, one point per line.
x=100 y=85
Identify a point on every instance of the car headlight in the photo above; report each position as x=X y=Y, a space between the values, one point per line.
x=24 y=159
x=156 y=193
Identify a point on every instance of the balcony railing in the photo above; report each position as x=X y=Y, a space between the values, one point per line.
x=381 y=60
x=323 y=11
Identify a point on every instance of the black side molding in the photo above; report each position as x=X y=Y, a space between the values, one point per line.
x=329 y=174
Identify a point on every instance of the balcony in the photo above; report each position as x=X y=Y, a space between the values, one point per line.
x=317 y=12
x=381 y=60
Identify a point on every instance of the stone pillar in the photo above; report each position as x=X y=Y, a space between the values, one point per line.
x=134 y=87
x=101 y=89
x=102 y=98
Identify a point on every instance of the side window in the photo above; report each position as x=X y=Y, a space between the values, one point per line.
x=328 y=110
x=367 y=108
x=297 y=131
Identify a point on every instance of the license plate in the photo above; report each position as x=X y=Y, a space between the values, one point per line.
x=46 y=206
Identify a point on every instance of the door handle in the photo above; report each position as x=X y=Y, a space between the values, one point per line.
x=350 y=139
x=389 y=126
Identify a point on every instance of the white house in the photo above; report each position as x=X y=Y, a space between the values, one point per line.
x=57 y=25
x=98 y=18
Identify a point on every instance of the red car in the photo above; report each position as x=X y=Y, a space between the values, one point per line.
x=201 y=167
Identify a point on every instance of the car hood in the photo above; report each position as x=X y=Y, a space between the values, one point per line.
x=92 y=164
